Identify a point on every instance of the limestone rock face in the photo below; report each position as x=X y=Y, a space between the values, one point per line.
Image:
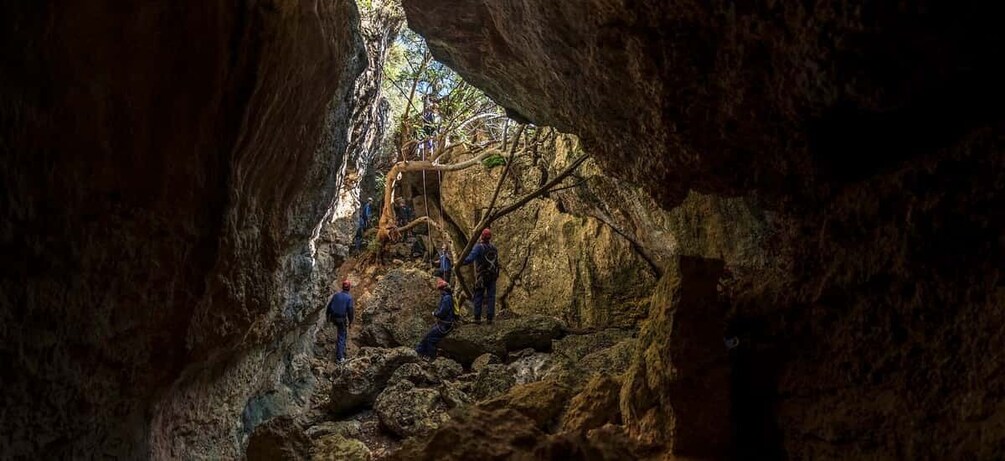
x=166 y=171
x=870 y=130
x=769 y=96
x=677 y=389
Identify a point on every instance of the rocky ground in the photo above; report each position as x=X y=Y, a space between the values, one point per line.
x=529 y=372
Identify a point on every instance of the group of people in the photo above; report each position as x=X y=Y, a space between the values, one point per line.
x=404 y=214
x=485 y=257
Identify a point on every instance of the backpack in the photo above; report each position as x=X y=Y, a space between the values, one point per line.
x=488 y=266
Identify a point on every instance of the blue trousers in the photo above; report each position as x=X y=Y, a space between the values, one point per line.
x=427 y=347
x=357 y=241
x=340 y=343
x=485 y=293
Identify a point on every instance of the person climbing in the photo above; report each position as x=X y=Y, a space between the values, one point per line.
x=445 y=318
x=430 y=120
x=405 y=215
x=365 y=216
x=340 y=312
x=444 y=263
x=486 y=259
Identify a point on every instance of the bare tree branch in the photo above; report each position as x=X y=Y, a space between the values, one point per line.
x=491 y=217
x=509 y=164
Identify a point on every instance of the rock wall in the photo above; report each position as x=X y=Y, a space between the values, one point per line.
x=872 y=131
x=380 y=21
x=166 y=171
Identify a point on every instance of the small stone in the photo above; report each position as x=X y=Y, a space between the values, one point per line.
x=484 y=360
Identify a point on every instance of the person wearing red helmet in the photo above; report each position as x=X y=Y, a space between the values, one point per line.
x=340 y=312
x=445 y=318
x=486 y=259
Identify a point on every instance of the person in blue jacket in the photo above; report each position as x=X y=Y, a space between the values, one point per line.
x=445 y=318
x=443 y=260
x=340 y=312
x=366 y=214
x=486 y=259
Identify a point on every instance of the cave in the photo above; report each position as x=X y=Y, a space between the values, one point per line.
x=787 y=238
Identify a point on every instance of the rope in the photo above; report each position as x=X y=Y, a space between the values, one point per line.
x=425 y=198
x=439 y=185
x=439 y=195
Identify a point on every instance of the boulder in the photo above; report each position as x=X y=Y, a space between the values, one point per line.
x=541 y=401
x=407 y=410
x=425 y=374
x=484 y=360
x=529 y=331
x=358 y=383
x=492 y=381
x=446 y=369
x=470 y=341
x=397 y=312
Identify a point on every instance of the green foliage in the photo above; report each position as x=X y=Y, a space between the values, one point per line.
x=493 y=161
x=380 y=180
x=409 y=65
